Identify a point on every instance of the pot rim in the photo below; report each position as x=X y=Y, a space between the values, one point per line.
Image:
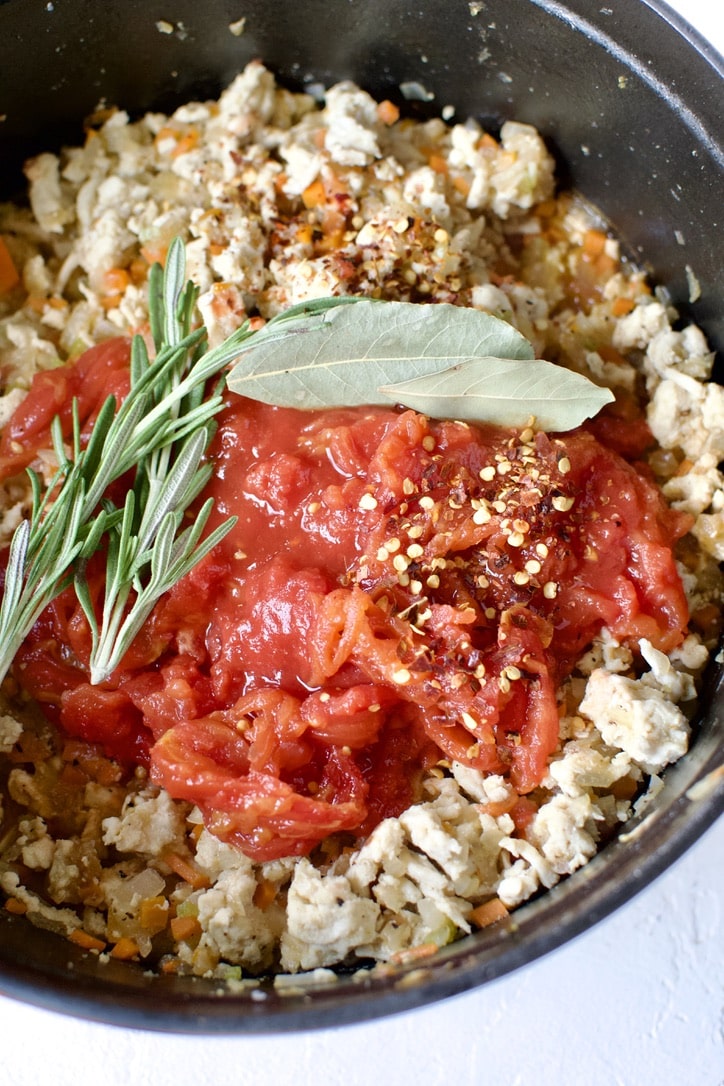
x=693 y=787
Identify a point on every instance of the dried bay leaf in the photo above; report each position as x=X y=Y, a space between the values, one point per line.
x=341 y=356
x=506 y=392
x=442 y=360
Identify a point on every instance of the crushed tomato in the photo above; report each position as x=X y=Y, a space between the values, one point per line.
x=396 y=591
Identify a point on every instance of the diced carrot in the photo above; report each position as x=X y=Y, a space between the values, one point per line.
x=625 y=788
x=125 y=949
x=610 y=354
x=184 y=928
x=504 y=280
x=153 y=914
x=314 y=194
x=186 y=143
x=87 y=942
x=415 y=953
x=17 y=908
x=332 y=241
x=111 y=298
x=104 y=770
x=546 y=208
x=304 y=234
x=437 y=163
x=264 y=894
x=72 y=776
x=155 y=253
x=169 y=965
x=388 y=112
x=605 y=266
x=621 y=306
x=196 y=831
x=36 y=302
x=164 y=134
x=116 y=280
x=489 y=913
x=501 y=807
x=138 y=270
x=99 y=117
x=553 y=233
x=95 y=766
x=594 y=242
x=461 y=184
x=187 y=870
x=707 y=619
x=486 y=140
x=29 y=748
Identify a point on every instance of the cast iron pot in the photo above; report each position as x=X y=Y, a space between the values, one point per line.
x=630 y=100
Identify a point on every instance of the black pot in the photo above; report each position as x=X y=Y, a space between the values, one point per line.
x=630 y=100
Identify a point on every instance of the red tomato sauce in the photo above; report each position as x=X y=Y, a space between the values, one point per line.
x=395 y=592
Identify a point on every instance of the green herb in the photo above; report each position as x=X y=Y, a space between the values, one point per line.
x=160 y=433
x=44 y=548
x=146 y=550
x=443 y=360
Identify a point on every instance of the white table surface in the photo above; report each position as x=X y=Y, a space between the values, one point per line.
x=637 y=1001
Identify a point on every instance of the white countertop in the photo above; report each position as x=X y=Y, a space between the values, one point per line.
x=637 y=1001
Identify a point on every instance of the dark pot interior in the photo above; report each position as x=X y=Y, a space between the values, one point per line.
x=630 y=101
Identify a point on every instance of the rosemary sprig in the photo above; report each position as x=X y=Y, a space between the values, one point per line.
x=146 y=551
x=160 y=433
x=44 y=548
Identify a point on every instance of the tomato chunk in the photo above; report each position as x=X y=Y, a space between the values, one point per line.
x=100 y=372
